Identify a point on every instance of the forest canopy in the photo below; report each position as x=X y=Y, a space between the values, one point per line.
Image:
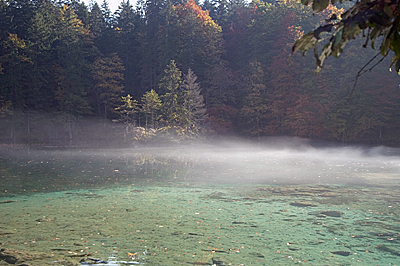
x=182 y=68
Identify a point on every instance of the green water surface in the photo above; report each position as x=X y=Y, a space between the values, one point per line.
x=200 y=208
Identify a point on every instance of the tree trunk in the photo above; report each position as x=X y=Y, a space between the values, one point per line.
x=70 y=132
x=105 y=111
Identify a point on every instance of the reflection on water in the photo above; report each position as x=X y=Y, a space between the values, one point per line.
x=47 y=170
x=224 y=204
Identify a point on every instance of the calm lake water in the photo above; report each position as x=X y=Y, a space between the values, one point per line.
x=272 y=203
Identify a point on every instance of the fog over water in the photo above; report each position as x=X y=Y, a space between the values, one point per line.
x=290 y=161
x=275 y=201
x=270 y=161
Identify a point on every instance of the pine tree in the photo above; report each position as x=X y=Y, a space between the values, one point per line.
x=168 y=35
x=199 y=40
x=172 y=97
x=15 y=55
x=128 y=110
x=96 y=22
x=151 y=45
x=107 y=15
x=254 y=112
x=81 y=10
x=108 y=78
x=221 y=12
x=194 y=101
x=127 y=46
x=151 y=105
x=70 y=52
x=209 y=6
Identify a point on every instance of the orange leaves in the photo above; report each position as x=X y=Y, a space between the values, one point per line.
x=191 y=9
x=331 y=9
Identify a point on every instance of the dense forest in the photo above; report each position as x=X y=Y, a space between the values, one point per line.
x=175 y=69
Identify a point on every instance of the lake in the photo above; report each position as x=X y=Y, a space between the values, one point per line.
x=276 y=202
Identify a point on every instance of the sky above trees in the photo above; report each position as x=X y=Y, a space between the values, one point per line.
x=113 y=4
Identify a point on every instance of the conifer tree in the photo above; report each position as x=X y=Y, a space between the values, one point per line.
x=209 y=6
x=107 y=15
x=81 y=10
x=194 y=101
x=96 y=22
x=172 y=97
x=151 y=46
x=199 y=41
x=221 y=12
x=168 y=37
x=108 y=78
x=69 y=68
x=127 y=46
x=151 y=104
x=253 y=113
x=128 y=110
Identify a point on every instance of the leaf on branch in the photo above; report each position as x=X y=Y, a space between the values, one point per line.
x=324 y=54
x=338 y=43
x=378 y=18
x=350 y=31
x=319 y=5
x=333 y=17
x=321 y=29
x=385 y=45
x=396 y=63
x=375 y=33
x=335 y=1
x=395 y=43
x=305 y=43
x=389 y=11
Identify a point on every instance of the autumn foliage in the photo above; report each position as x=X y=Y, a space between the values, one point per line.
x=219 y=67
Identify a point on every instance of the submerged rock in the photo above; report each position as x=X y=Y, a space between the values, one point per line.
x=302 y=204
x=332 y=213
x=218 y=261
x=15 y=257
x=341 y=253
x=391 y=249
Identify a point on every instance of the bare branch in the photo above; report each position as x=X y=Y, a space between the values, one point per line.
x=363 y=70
